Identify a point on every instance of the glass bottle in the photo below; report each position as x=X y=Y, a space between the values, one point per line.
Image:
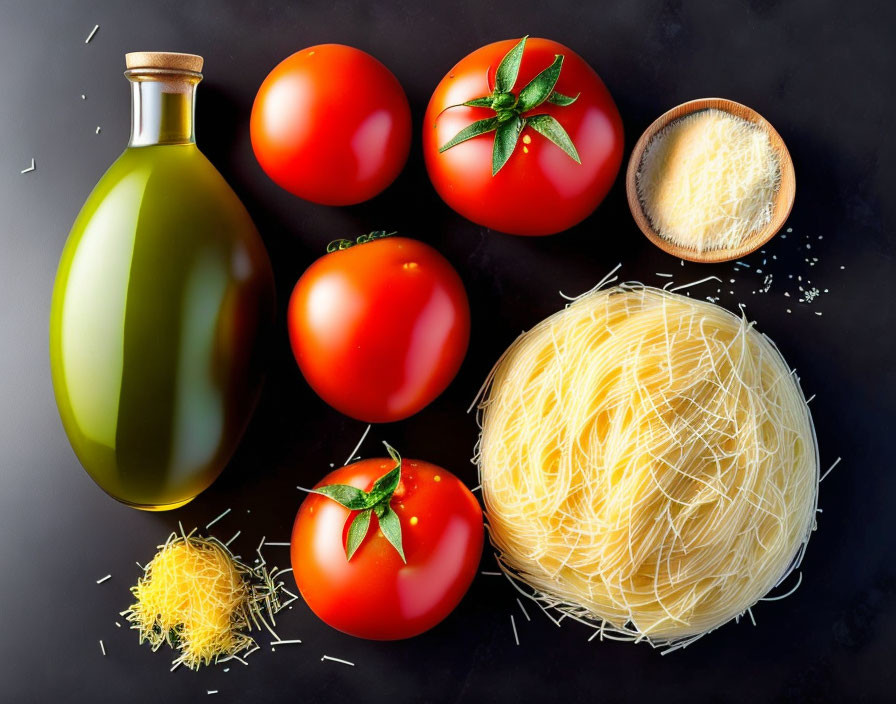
x=163 y=299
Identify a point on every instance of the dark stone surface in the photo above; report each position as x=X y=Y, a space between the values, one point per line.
x=821 y=72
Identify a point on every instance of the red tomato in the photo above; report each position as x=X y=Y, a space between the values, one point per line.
x=376 y=595
x=379 y=329
x=540 y=190
x=332 y=125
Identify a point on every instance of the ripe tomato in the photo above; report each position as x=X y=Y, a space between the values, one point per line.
x=376 y=594
x=381 y=328
x=540 y=190
x=331 y=124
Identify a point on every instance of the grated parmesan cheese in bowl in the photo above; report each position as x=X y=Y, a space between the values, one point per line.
x=708 y=181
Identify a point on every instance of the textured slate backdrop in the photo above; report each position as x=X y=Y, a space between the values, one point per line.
x=821 y=72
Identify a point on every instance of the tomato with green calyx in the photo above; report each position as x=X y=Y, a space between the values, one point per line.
x=331 y=124
x=386 y=548
x=379 y=327
x=523 y=137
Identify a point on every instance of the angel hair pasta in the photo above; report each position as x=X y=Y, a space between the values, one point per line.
x=648 y=464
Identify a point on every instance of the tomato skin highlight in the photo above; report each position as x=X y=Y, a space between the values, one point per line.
x=540 y=190
x=375 y=595
x=332 y=125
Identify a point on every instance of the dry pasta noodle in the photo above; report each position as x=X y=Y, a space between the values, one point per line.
x=648 y=464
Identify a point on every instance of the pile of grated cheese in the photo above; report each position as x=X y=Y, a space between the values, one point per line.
x=708 y=180
x=199 y=598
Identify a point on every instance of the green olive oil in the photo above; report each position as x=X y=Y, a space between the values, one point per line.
x=162 y=302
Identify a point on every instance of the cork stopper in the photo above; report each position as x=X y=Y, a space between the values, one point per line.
x=164 y=60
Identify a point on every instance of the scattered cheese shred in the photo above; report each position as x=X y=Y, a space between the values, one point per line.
x=199 y=598
x=708 y=180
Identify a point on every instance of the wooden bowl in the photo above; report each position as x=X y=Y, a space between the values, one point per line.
x=783 y=197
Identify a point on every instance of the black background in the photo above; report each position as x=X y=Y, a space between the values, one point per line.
x=821 y=72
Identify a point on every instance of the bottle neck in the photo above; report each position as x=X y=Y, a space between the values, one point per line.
x=162 y=106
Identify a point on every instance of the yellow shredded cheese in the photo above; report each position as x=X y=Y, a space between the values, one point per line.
x=708 y=180
x=199 y=598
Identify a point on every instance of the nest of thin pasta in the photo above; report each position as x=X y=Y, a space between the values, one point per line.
x=648 y=464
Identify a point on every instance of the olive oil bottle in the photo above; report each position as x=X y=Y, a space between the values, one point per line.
x=163 y=299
